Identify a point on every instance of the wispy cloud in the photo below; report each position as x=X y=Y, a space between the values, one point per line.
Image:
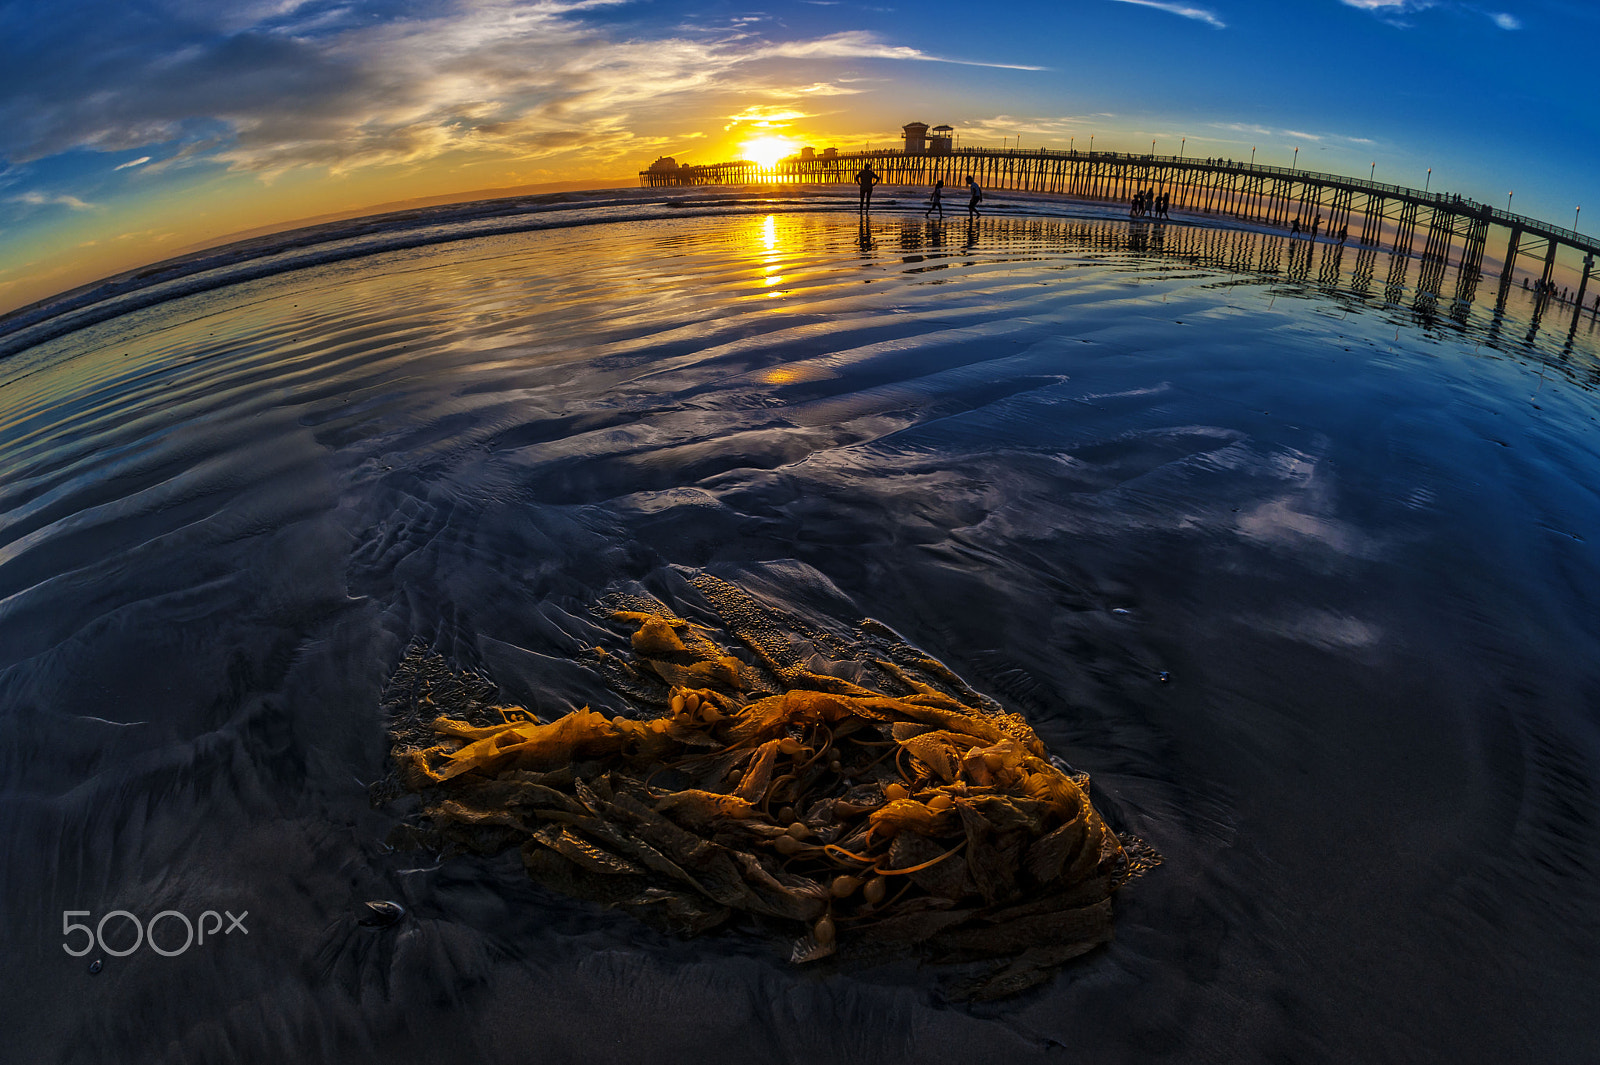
x=1258 y=131
x=765 y=116
x=1199 y=14
x=823 y=88
x=863 y=45
x=143 y=159
x=1244 y=127
x=44 y=199
x=1394 y=11
x=1038 y=129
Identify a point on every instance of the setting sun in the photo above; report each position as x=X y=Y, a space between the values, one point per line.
x=768 y=150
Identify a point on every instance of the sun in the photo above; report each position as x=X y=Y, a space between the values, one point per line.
x=767 y=150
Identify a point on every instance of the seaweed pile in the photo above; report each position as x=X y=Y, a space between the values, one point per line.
x=775 y=784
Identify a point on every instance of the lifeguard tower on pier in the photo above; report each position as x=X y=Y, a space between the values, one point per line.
x=920 y=141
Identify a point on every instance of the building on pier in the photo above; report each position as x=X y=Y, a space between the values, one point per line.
x=919 y=141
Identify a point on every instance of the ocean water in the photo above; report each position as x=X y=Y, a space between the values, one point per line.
x=1296 y=560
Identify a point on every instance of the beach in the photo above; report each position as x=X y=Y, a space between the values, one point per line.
x=1300 y=573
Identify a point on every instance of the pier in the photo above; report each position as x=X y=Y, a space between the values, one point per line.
x=1439 y=229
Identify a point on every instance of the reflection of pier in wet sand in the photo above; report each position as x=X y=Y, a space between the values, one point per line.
x=1437 y=229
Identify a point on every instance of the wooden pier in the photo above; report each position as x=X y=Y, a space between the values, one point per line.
x=1441 y=230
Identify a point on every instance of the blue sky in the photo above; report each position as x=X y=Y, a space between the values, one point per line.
x=129 y=131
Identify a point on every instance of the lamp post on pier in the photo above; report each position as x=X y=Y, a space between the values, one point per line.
x=1575 y=217
x=1152 y=146
x=1429 y=182
x=1296 y=164
x=1252 y=155
x=1373 y=174
x=1091 y=144
x=1510 y=194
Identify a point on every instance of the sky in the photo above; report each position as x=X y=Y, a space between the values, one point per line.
x=135 y=130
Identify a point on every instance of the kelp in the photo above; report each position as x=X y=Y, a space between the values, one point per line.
x=918 y=817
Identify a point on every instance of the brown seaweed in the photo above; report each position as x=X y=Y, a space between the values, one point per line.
x=918 y=817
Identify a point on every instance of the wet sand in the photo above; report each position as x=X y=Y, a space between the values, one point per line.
x=1064 y=455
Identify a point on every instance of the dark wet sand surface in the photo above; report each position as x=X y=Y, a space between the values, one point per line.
x=1064 y=456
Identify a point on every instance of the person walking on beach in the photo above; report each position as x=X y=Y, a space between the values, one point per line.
x=1295 y=228
x=977 y=194
x=866 y=179
x=936 y=204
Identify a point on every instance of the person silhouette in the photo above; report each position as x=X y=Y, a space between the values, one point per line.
x=936 y=204
x=866 y=179
x=977 y=194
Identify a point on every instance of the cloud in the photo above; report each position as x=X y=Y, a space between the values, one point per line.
x=1035 y=128
x=44 y=199
x=274 y=85
x=822 y=88
x=1392 y=11
x=143 y=159
x=1245 y=127
x=1200 y=14
x=864 y=45
x=766 y=116
x=1256 y=130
